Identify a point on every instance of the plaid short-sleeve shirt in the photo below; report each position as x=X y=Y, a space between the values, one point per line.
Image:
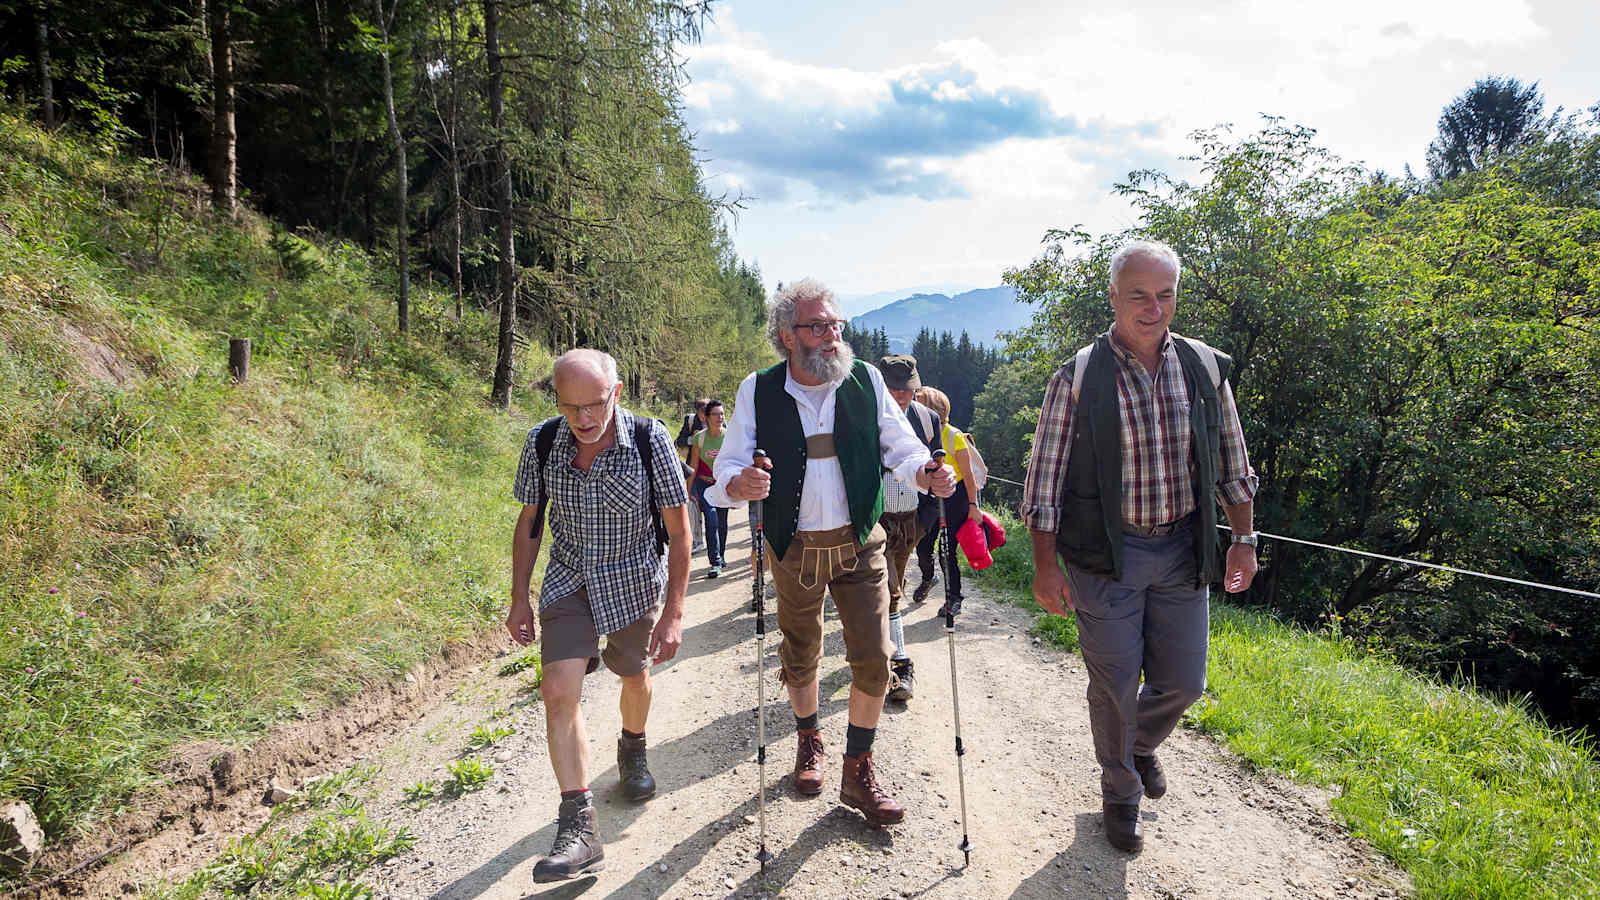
x=601 y=535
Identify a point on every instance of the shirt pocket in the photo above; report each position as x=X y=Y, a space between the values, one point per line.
x=623 y=491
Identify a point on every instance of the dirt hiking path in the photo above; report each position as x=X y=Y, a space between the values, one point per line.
x=1032 y=784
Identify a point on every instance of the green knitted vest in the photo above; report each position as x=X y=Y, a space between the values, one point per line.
x=855 y=440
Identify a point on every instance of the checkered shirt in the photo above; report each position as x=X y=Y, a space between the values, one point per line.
x=601 y=535
x=898 y=497
x=1157 y=462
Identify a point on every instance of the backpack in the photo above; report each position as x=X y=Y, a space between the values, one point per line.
x=980 y=469
x=546 y=439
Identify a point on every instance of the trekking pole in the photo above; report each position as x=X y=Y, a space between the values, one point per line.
x=757 y=539
x=948 y=611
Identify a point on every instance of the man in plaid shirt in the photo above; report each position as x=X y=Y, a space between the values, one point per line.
x=605 y=576
x=1127 y=458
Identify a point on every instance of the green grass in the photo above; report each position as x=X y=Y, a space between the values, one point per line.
x=466 y=776
x=485 y=736
x=1473 y=797
x=1012 y=573
x=182 y=558
x=317 y=854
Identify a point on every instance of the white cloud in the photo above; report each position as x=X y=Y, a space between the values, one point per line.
x=949 y=164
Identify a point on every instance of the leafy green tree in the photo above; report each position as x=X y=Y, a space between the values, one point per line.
x=1415 y=376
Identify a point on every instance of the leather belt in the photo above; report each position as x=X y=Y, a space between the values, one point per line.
x=820 y=446
x=1161 y=530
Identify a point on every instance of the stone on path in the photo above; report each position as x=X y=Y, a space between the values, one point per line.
x=21 y=838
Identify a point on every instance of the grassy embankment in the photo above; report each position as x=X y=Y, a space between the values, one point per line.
x=182 y=558
x=1473 y=797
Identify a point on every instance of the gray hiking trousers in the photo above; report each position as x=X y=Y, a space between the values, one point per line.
x=1153 y=622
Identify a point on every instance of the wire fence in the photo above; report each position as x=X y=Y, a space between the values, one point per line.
x=1397 y=559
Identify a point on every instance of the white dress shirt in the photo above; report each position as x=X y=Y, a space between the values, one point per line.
x=822 y=498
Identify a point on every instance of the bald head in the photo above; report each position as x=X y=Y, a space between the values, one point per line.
x=586 y=367
x=586 y=384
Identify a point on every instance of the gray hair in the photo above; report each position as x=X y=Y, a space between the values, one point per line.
x=1155 y=249
x=780 y=316
x=585 y=358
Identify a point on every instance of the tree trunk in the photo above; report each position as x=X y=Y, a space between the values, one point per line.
x=401 y=182
x=455 y=165
x=47 y=89
x=224 y=157
x=505 y=349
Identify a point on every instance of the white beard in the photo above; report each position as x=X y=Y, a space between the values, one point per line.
x=813 y=363
x=598 y=435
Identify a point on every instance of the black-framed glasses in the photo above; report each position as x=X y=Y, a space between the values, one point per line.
x=822 y=328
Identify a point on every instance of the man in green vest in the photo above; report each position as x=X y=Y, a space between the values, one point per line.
x=829 y=428
x=1138 y=442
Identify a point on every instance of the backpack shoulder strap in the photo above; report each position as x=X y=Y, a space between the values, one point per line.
x=1080 y=362
x=642 y=433
x=542 y=443
x=1216 y=362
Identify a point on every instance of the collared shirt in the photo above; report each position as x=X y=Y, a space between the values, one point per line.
x=822 y=499
x=1157 y=460
x=601 y=534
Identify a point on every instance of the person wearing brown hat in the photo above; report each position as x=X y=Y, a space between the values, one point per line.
x=905 y=514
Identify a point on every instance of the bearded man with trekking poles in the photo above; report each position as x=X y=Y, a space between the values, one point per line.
x=829 y=427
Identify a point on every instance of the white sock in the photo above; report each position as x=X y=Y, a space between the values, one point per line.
x=897 y=633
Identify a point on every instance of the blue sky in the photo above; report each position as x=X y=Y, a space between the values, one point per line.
x=883 y=147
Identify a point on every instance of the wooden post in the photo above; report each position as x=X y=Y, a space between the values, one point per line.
x=238 y=359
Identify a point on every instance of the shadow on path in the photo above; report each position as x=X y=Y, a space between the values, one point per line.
x=487 y=875
x=1088 y=867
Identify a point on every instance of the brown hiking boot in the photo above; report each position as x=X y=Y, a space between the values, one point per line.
x=577 y=849
x=637 y=782
x=859 y=789
x=808 y=762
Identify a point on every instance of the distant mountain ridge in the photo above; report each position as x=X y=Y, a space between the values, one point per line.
x=981 y=313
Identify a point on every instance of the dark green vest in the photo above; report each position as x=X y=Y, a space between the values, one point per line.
x=855 y=440
x=1089 y=536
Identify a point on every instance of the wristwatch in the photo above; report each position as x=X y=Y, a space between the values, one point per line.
x=1253 y=538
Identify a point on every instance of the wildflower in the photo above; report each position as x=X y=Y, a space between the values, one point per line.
x=135 y=679
x=28 y=669
x=81 y=614
x=53 y=591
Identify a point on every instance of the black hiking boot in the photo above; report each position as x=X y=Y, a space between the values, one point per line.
x=577 y=849
x=1122 y=826
x=902 y=680
x=637 y=782
x=1155 y=780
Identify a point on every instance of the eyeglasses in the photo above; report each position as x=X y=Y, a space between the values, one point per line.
x=574 y=410
x=824 y=327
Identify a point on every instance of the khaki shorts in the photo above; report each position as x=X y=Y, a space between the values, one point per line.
x=832 y=562
x=568 y=629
